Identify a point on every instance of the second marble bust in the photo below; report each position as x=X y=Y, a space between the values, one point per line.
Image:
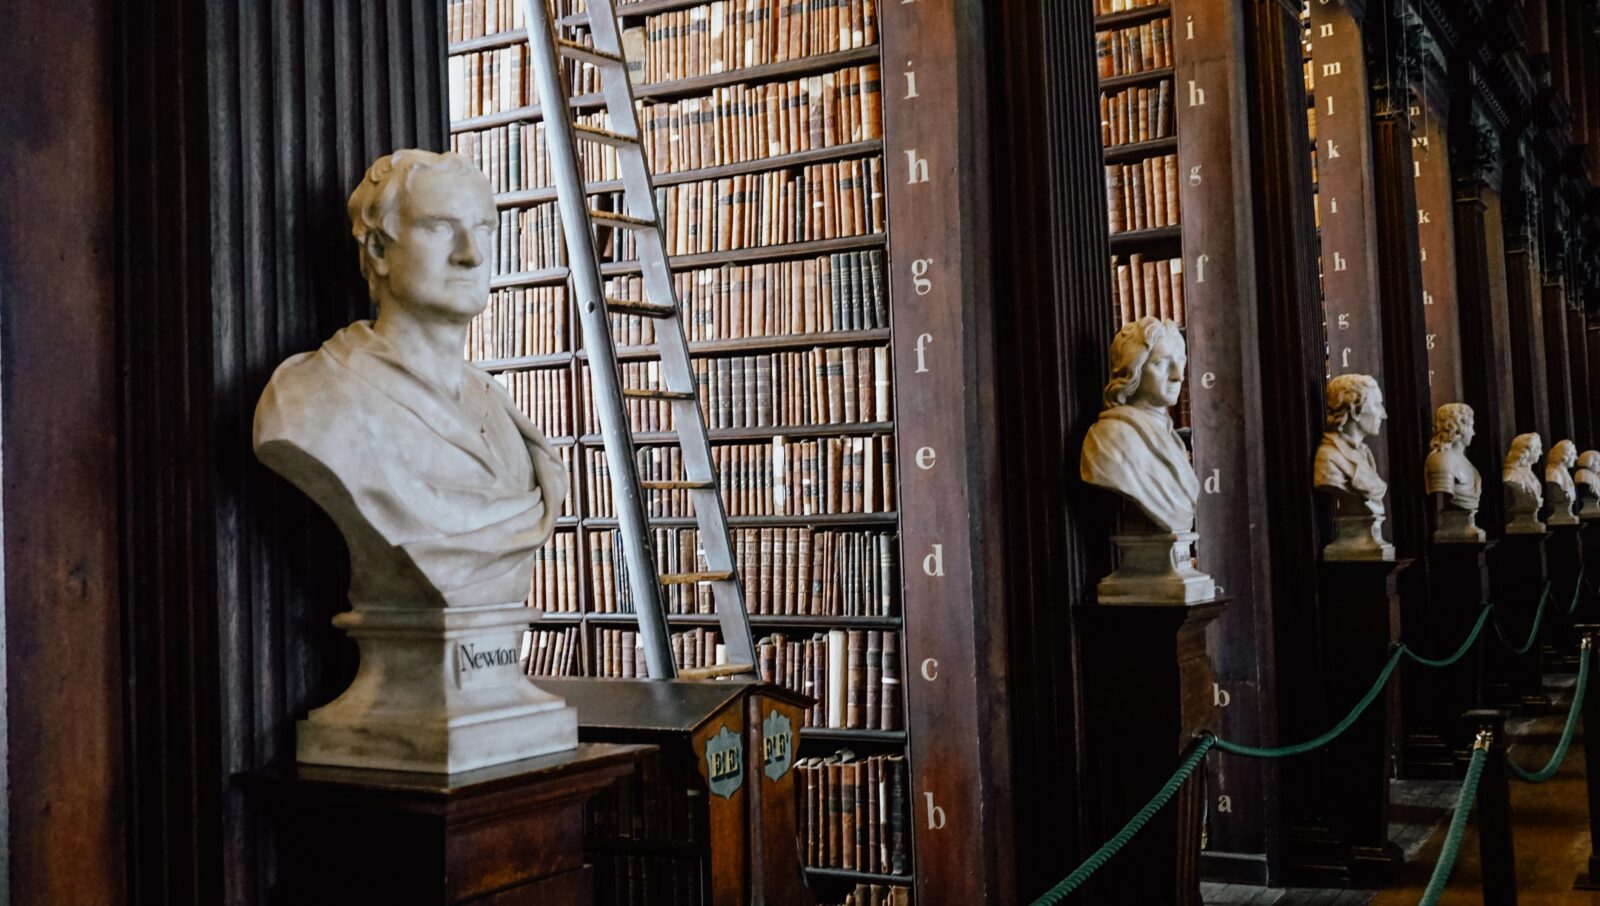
x=1524 y=490
x=1134 y=451
x=1346 y=470
x=1451 y=475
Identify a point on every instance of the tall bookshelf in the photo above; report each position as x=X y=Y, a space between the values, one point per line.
x=764 y=130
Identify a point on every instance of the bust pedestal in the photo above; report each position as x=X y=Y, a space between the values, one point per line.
x=1155 y=568
x=1149 y=694
x=1518 y=569
x=512 y=833
x=1338 y=798
x=1433 y=699
x=1357 y=534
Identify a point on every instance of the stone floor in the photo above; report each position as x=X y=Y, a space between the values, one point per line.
x=1550 y=832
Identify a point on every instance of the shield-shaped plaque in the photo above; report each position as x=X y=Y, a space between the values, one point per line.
x=777 y=744
x=725 y=762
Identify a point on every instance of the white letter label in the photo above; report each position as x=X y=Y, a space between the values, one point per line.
x=1220 y=696
x=930 y=669
x=1197 y=96
x=1194 y=175
x=1344 y=322
x=1208 y=380
x=911 y=81
x=1225 y=804
x=935 y=814
x=1200 y=268
x=1333 y=150
x=1339 y=262
x=1214 y=482
x=923 y=339
x=917 y=167
x=921 y=283
x=933 y=564
x=925 y=458
x=1332 y=69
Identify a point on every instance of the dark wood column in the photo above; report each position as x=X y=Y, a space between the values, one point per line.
x=1524 y=297
x=1582 y=375
x=1558 y=376
x=1291 y=349
x=65 y=793
x=1050 y=263
x=1592 y=340
x=244 y=126
x=1480 y=368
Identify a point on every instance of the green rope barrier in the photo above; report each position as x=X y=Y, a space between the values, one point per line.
x=1533 y=631
x=1577 y=590
x=1332 y=734
x=1135 y=824
x=1472 y=639
x=1560 y=754
x=1458 y=826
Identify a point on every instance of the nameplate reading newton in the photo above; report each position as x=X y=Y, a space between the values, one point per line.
x=725 y=763
x=777 y=745
x=487 y=661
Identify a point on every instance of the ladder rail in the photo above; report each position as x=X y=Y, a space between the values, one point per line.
x=588 y=288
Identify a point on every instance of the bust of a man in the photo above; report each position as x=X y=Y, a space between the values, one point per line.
x=1524 y=490
x=1134 y=451
x=1587 y=479
x=441 y=486
x=442 y=489
x=1559 y=489
x=1346 y=470
x=1450 y=474
x=1133 y=448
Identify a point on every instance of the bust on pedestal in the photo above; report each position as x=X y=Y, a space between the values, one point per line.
x=442 y=489
x=1346 y=471
x=1524 y=490
x=1559 y=489
x=1134 y=450
x=1587 y=480
x=1449 y=474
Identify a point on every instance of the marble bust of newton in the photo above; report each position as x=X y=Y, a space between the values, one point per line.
x=1524 y=490
x=1134 y=451
x=442 y=488
x=1587 y=479
x=1559 y=488
x=1451 y=475
x=1346 y=470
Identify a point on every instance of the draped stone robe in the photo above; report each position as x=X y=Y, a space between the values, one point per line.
x=1349 y=468
x=1137 y=453
x=442 y=500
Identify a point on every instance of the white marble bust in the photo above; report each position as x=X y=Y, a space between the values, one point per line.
x=1346 y=470
x=442 y=488
x=1587 y=479
x=1134 y=451
x=1559 y=489
x=1524 y=491
x=1451 y=475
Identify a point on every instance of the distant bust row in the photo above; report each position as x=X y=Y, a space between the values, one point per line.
x=1134 y=450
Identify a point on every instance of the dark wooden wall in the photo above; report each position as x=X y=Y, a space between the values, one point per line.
x=59 y=456
x=243 y=128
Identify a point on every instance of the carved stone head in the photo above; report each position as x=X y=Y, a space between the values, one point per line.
x=424 y=223
x=1355 y=404
x=1148 y=359
x=1563 y=455
x=1452 y=427
x=1525 y=451
x=1590 y=461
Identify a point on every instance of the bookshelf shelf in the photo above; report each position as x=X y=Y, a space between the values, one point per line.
x=751 y=75
x=1167 y=239
x=557 y=276
x=1129 y=17
x=545 y=195
x=842 y=429
x=844 y=734
x=773 y=342
x=858 y=877
x=525 y=362
x=1127 y=153
x=1148 y=77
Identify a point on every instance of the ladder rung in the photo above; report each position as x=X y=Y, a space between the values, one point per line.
x=639 y=307
x=676 y=484
x=694 y=578
x=618 y=221
x=715 y=671
x=602 y=136
x=584 y=53
x=650 y=393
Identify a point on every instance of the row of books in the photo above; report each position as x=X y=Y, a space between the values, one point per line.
x=854 y=675
x=637 y=879
x=528 y=239
x=544 y=395
x=554 y=587
x=1136 y=48
x=519 y=322
x=1106 y=7
x=1149 y=288
x=853 y=812
x=753 y=122
x=732 y=34
x=786 y=571
x=841 y=291
x=820 y=386
x=500 y=80
x=1143 y=195
x=552 y=652
x=877 y=895
x=620 y=652
x=466 y=19
x=753 y=210
x=653 y=802
x=513 y=155
x=1137 y=115
x=783 y=477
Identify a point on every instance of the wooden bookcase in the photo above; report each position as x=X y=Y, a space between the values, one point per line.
x=854 y=597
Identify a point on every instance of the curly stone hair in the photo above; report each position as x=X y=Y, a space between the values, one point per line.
x=1130 y=349
x=1449 y=423
x=1346 y=394
x=375 y=204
